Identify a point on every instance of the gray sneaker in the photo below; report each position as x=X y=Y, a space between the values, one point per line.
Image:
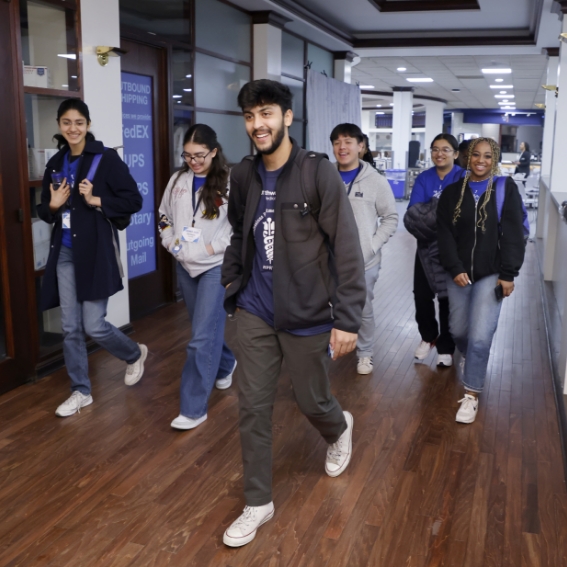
x=73 y=404
x=135 y=371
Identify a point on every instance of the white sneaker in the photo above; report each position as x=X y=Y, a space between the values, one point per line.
x=182 y=422
x=364 y=365
x=423 y=350
x=468 y=409
x=226 y=382
x=73 y=404
x=340 y=452
x=135 y=371
x=243 y=529
x=445 y=360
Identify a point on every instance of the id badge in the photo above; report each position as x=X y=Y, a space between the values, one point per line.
x=66 y=217
x=191 y=234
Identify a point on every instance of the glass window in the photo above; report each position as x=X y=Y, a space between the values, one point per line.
x=182 y=120
x=230 y=133
x=296 y=88
x=222 y=29
x=296 y=132
x=41 y=126
x=321 y=60
x=49 y=46
x=218 y=82
x=182 y=71
x=292 y=55
x=170 y=19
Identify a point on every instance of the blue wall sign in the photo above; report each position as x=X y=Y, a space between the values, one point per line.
x=137 y=134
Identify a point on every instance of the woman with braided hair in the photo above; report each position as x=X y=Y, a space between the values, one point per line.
x=482 y=254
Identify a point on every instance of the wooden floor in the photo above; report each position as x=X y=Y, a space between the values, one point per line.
x=116 y=486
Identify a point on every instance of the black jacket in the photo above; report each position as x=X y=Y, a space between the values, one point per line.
x=464 y=247
x=524 y=165
x=310 y=284
x=420 y=220
x=97 y=274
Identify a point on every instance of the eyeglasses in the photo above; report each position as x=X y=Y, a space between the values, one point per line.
x=445 y=151
x=197 y=160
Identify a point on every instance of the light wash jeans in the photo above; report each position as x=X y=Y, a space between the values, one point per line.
x=208 y=357
x=366 y=339
x=473 y=318
x=86 y=318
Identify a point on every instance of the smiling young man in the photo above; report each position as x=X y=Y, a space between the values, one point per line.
x=375 y=212
x=294 y=275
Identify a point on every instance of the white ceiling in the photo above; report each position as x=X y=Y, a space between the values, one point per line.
x=449 y=72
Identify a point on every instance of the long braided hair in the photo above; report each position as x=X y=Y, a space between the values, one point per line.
x=494 y=171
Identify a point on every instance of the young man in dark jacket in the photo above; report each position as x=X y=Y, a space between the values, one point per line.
x=294 y=275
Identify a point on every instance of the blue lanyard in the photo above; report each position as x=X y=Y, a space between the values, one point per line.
x=353 y=180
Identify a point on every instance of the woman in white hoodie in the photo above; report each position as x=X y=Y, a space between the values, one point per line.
x=194 y=228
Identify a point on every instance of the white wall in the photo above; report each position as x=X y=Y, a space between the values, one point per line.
x=491 y=131
x=101 y=26
x=533 y=135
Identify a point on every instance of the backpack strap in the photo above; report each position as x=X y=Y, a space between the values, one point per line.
x=309 y=162
x=94 y=166
x=500 y=194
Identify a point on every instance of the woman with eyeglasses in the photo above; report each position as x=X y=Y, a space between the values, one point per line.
x=194 y=228
x=429 y=277
x=480 y=222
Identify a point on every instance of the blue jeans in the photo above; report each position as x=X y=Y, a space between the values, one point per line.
x=365 y=342
x=86 y=318
x=208 y=357
x=473 y=318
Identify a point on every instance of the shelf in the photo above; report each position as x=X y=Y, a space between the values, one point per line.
x=52 y=92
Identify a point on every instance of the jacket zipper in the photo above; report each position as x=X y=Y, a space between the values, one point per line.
x=474 y=245
x=332 y=315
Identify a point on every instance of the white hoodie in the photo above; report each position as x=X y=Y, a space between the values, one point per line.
x=176 y=213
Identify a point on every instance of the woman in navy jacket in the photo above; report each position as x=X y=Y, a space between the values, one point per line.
x=83 y=269
x=482 y=251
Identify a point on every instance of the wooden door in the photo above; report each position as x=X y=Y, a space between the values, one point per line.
x=145 y=119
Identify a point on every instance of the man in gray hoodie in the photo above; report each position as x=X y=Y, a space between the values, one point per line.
x=375 y=213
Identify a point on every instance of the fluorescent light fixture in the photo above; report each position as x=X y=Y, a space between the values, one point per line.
x=379 y=105
x=391 y=104
x=501 y=86
x=367 y=86
x=504 y=96
x=73 y=76
x=401 y=69
x=380 y=113
x=508 y=107
x=177 y=96
x=187 y=90
x=499 y=80
x=496 y=71
x=503 y=92
x=505 y=102
x=67 y=55
x=419 y=80
x=188 y=76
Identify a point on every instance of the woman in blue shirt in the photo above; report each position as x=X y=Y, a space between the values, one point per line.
x=428 y=275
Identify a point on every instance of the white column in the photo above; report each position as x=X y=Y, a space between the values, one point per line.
x=549 y=124
x=100 y=25
x=343 y=65
x=267 y=34
x=433 y=123
x=401 y=126
x=367 y=116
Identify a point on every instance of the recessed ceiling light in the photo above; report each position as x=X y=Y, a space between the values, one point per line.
x=187 y=90
x=380 y=113
x=506 y=104
x=501 y=86
x=73 y=76
x=401 y=69
x=188 y=76
x=504 y=96
x=178 y=102
x=367 y=86
x=177 y=96
x=420 y=80
x=503 y=92
x=378 y=105
x=496 y=71
x=498 y=80
x=391 y=104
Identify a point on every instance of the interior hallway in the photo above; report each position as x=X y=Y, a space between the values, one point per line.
x=116 y=486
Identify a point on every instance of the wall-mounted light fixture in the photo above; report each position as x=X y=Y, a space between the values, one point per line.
x=103 y=52
x=563 y=36
x=551 y=88
x=540 y=105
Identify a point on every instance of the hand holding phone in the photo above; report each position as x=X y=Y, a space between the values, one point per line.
x=499 y=292
x=56 y=179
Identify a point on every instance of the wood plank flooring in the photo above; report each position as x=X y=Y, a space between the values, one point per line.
x=116 y=486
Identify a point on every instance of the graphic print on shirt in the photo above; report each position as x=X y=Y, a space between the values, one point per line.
x=265 y=229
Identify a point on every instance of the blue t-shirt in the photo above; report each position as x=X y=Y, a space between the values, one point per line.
x=198 y=182
x=258 y=296
x=478 y=188
x=428 y=184
x=349 y=176
x=70 y=165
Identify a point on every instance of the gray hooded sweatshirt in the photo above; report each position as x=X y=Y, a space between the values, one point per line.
x=375 y=213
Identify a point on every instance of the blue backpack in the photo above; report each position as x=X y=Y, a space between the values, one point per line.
x=500 y=194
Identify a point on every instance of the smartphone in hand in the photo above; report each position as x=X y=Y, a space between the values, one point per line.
x=499 y=292
x=56 y=179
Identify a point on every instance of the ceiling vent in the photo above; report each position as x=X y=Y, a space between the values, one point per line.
x=469 y=76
